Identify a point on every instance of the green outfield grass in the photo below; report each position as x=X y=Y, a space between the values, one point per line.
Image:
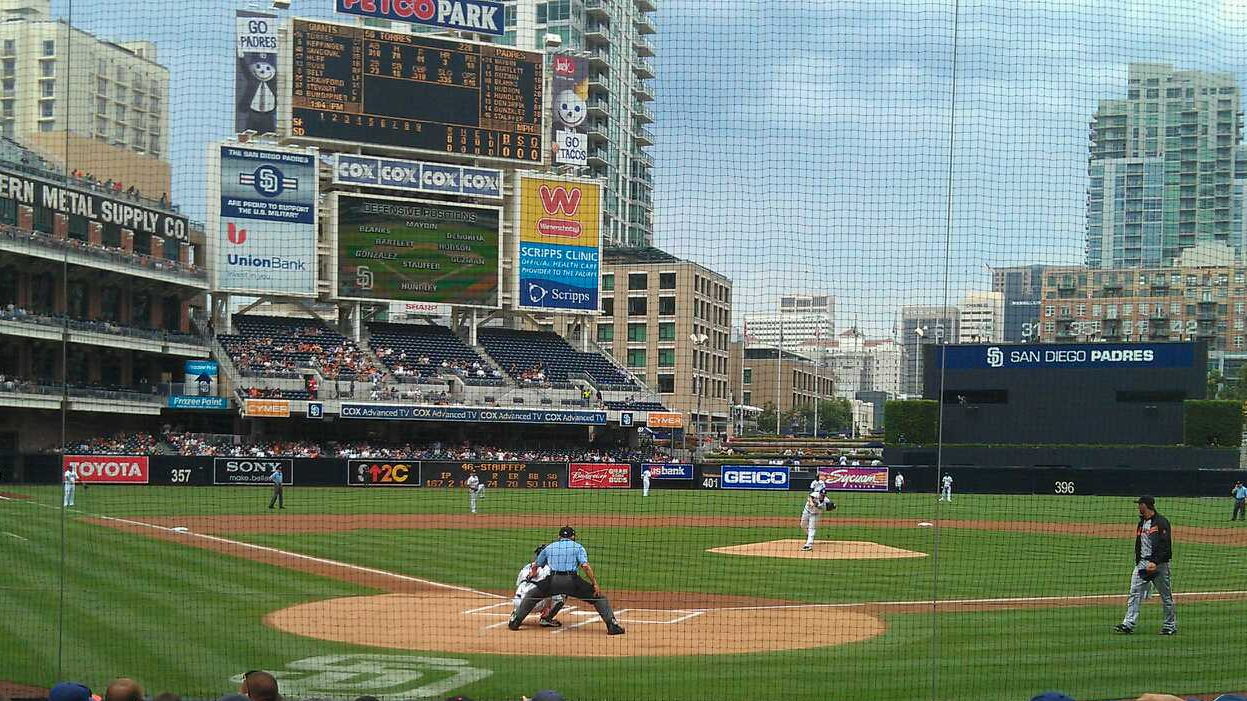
x=187 y=619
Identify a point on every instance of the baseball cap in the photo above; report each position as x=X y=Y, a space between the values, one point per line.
x=1052 y=696
x=1145 y=499
x=1230 y=697
x=548 y=695
x=567 y=532
x=69 y=691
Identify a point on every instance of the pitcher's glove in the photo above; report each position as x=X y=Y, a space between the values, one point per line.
x=831 y=505
x=1147 y=576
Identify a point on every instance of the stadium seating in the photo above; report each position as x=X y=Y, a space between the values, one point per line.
x=272 y=393
x=634 y=406
x=419 y=350
x=520 y=352
x=279 y=346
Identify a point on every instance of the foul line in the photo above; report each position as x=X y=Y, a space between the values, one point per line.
x=14 y=535
x=959 y=602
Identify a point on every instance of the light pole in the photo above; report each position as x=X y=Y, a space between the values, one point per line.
x=920 y=332
x=699 y=341
x=779 y=373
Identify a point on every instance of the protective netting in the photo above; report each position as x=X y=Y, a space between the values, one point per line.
x=845 y=338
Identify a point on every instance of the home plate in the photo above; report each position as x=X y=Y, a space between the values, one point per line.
x=925 y=524
x=823 y=550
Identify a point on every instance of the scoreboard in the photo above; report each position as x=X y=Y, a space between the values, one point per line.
x=413 y=92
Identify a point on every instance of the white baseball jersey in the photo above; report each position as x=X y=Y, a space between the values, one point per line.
x=71 y=478
x=822 y=501
x=899 y=480
x=947 y=481
x=818 y=486
x=645 y=474
x=523 y=584
x=473 y=482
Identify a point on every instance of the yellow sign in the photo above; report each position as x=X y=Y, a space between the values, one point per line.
x=559 y=253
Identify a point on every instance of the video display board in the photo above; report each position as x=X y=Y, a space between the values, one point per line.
x=390 y=248
x=413 y=92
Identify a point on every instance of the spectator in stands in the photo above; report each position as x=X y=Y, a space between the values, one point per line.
x=124 y=689
x=260 y=686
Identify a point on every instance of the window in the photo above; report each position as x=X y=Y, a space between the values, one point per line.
x=49 y=47
x=666 y=357
x=666 y=384
x=10 y=47
x=121 y=93
x=46 y=107
x=638 y=281
x=747 y=376
x=666 y=306
x=101 y=86
x=121 y=74
x=10 y=66
x=608 y=306
x=47 y=88
x=121 y=113
x=608 y=281
x=606 y=333
x=8 y=108
x=666 y=281
x=636 y=357
x=1049 y=311
x=666 y=331
x=47 y=69
x=637 y=306
x=636 y=333
x=46 y=125
x=101 y=125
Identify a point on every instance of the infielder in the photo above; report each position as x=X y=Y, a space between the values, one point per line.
x=645 y=481
x=527 y=580
x=476 y=490
x=816 y=504
x=71 y=479
x=899 y=482
x=946 y=489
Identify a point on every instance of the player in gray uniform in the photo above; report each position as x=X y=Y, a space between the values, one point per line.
x=476 y=490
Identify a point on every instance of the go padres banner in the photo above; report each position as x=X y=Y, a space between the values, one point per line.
x=560 y=244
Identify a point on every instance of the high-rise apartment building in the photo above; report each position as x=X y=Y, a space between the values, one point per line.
x=1022 y=288
x=83 y=102
x=1162 y=168
x=982 y=317
x=803 y=324
x=922 y=326
x=616 y=37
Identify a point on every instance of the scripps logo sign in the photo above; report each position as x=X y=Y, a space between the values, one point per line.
x=995 y=358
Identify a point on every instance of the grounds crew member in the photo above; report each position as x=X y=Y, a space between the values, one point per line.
x=1153 y=548
x=565 y=558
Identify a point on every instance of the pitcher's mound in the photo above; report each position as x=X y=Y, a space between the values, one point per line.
x=823 y=550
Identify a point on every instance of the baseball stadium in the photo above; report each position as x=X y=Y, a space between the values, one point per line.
x=622 y=350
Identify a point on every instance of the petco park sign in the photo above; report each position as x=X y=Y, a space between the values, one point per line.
x=1069 y=355
x=108 y=469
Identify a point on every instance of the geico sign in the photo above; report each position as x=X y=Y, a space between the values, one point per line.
x=252 y=466
x=766 y=478
x=107 y=468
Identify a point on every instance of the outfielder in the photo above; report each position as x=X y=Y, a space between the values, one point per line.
x=71 y=479
x=476 y=490
x=900 y=482
x=527 y=580
x=816 y=504
x=645 y=481
x=946 y=489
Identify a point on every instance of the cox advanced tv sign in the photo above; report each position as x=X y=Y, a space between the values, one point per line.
x=754 y=477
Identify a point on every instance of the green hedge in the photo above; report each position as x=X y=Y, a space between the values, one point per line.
x=1216 y=422
x=915 y=419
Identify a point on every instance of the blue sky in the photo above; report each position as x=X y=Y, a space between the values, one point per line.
x=804 y=145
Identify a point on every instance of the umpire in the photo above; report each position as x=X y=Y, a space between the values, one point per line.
x=565 y=557
x=1153 y=549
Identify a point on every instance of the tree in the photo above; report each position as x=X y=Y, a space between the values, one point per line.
x=1215 y=385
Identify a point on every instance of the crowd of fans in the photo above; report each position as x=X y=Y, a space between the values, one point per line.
x=530 y=377
x=117 y=444
x=265 y=355
x=405 y=366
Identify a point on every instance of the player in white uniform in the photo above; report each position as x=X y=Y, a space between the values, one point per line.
x=527 y=580
x=900 y=482
x=816 y=504
x=71 y=479
x=476 y=490
x=946 y=489
x=818 y=485
x=645 y=481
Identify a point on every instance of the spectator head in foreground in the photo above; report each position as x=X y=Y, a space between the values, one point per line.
x=69 y=691
x=1052 y=696
x=547 y=695
x=260 y=686
x=167 y=696
x=124 y=689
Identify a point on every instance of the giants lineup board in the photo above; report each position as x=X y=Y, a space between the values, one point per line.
x=418 y=93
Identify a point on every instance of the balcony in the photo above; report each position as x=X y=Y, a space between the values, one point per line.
x=597 y=157
x=597 y=132
x=598 y=9
x=644 y=137
x=597 y=33
x=600 y=59
x=641 y=45
x=598 y=82
x=599 y=107
x=642 y=113
x=646 y=5
x=643 y=67
x=645 y=24
x=643 y=157
x=641 y=91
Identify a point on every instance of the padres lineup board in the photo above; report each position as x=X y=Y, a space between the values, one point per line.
x=418 y=93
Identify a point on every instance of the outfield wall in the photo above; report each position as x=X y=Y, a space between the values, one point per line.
x=382 y=474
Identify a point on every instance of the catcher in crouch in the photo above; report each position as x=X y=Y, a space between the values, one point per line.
x=527 y=580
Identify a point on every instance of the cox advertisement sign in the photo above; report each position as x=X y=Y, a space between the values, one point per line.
x=415 y=176
x=754 y=477
x=262 y=229
x=251 y=470
x=108 y=469
x=600 y=476
x=669 y=471
x=855 y=479
x=559 y=244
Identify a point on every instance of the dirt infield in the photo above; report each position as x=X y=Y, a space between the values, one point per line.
x=12 y=495
x=318 y=523
x=474 y=624
x=823 y=550
x=13 y=690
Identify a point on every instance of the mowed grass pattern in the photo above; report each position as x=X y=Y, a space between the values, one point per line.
x=187 y=619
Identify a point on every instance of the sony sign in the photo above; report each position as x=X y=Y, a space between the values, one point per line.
x=251 y=470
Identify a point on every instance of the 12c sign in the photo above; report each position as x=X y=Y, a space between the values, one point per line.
x=754 y=477
x=382 y=473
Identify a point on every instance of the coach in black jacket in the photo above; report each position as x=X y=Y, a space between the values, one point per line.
x=1153 y=548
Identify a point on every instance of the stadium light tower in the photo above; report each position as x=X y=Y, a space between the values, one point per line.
x=921 y=333
x=699 y=341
